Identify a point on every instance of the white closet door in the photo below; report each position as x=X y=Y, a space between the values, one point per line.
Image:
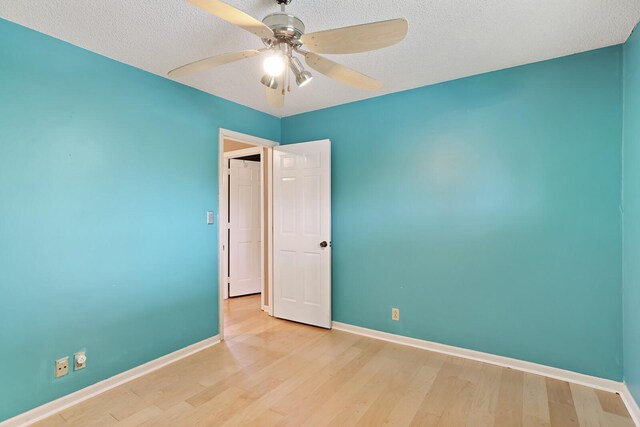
x=302 y=232
x=244 y=228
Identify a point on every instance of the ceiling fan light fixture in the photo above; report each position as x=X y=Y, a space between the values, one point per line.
x=303 y=78
x=269 y=81
x=274 y=64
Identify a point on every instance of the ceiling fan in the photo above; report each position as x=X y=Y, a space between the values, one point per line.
x=284 y=38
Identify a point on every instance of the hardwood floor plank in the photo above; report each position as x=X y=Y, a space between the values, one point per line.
x=586 y=405
x=326 y=382
x=140 y=417
x=361 y=398
x=333 y=357
x=410 y=398
x=306 y=401
x=612 y=403
x=561 y=408
x=509 y=409
x=535 y=410
x=442 y=393
x=559 y=391
x=485 y=400
x=562 y=415
x=394 y=390
x=613 y=420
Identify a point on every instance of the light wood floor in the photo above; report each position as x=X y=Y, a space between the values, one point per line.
x=273 y=372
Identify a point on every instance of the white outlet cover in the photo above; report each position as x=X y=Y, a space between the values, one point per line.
x=62 y=367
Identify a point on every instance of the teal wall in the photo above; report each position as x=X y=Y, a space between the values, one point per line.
x=486 y=209
x=631 y=198
x=106 y=174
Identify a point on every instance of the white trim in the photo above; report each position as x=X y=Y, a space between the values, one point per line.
x=631 y=404
x=249 y=139
x=55 y=406
x=243 y=137
x=243 y=152
x=263 y=243
x=507 y=362
x=270 y=228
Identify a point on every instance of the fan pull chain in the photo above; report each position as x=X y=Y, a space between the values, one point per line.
x=284 y=83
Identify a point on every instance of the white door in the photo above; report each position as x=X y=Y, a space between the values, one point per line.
x=244 y=227
x=302 y=232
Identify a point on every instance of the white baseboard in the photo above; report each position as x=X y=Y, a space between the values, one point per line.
x=631 y=404
x=521 y=365
x=51 y=408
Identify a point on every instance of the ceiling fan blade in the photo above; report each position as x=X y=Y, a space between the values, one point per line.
x=275 y=97
x=214 y=61
x=341 y=73
x=358 y=38
x=235 y=16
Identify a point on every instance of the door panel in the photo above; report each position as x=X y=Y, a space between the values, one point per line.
x=311 y=194
x=312 y=275
x=244 y=228
x=302 y=220
x=287 y=206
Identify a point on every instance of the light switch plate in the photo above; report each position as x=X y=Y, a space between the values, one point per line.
x=210 y=217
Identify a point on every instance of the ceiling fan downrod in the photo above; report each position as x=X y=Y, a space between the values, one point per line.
x=283 y=3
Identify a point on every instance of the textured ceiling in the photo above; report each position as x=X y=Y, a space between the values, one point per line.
x=447 y=39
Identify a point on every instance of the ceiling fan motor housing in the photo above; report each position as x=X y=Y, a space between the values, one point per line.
x=284 y=26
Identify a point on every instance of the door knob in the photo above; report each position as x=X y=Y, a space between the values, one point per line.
x=323 y=244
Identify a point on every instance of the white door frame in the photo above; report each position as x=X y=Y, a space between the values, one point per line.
x=222 y=191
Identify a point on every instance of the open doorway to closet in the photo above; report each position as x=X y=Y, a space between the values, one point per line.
x=244 y=224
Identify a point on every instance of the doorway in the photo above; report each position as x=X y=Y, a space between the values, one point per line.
x=244 y=226
x=294 y=236
x=244 y=222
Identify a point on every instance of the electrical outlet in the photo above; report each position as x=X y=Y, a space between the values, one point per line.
x=62 y=367
x=80 y=361
x=395 y=314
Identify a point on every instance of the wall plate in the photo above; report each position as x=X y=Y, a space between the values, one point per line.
x=79 y=361
x=62 y=367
